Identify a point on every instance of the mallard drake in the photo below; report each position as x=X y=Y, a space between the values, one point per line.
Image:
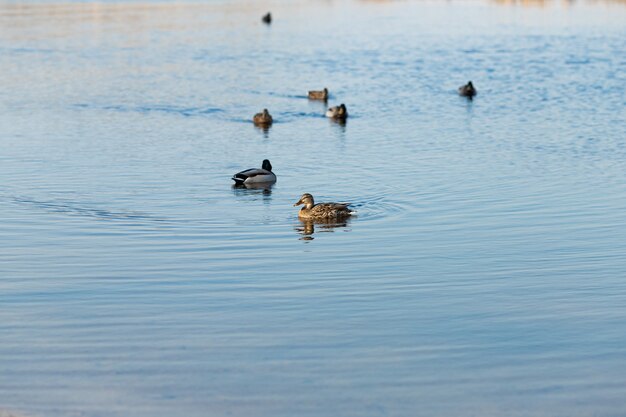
x=264 y=118
x=467 y=90
x=321 y=210
x=337 y=112
x=267 y=18
x=256 y=175
x=319 y=95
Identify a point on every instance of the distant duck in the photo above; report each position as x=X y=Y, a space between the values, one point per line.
x=322 y=210
x=467 y=90
x=256 y=175
x=264 y=118
x=319 y=95
x=338 y=112
x=267 y=18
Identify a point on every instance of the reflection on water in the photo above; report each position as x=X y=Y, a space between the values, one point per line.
x=307 y=228
x=263 y=128
x=254 y=188
x=342 y=123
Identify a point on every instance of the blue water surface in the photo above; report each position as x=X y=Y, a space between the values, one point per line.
x=483 y=275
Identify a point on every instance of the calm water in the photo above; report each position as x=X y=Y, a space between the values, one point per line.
x=485 y=273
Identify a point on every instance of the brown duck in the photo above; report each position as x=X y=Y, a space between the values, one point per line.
x=321 y=210
x=264 y=118
x=319 y=95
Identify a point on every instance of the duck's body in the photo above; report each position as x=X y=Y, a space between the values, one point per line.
x=256 y=175
x=319 y=95
x=337 y=112
x=267 y=18
x=321 y=211
x=263 y=118
x=467 y=90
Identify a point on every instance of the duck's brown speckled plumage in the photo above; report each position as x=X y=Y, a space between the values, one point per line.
x=319 y=95
x=322 y=210
x=263 y=118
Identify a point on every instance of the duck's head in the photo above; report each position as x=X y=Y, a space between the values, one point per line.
x=342 y=109
x=306 y=199
x=266 y=165
x=265 y=113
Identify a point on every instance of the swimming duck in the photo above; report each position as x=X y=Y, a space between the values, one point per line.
x=337 y=112
x=267 y=18
x=321 y=210
x=319 y=95
x=256 y=175
x=264 y=118
x=467 y=90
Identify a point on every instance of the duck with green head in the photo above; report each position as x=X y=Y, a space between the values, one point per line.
x=263 y=175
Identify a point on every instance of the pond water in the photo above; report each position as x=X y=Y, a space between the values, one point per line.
x=483 y=275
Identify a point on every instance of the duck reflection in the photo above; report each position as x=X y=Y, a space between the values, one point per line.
x=258 y=188
x=340 y=122
x=307 y=228
x=263 y=128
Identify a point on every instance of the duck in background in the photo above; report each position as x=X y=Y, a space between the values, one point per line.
x=467 y=90
x=264 y=118
x=250 y=176
x=267 y=18
x=319 y=95
x=338 y=112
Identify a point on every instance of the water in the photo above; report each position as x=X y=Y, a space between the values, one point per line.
x=484 y=272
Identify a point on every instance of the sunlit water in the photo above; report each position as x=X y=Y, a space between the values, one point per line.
x=484 y=273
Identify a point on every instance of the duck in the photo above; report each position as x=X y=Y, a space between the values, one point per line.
x=467 y=90
x=267 y=18
x=321 y=211
x=256 y=175
x=337 y=112
x=264 y=118
x=319 y=95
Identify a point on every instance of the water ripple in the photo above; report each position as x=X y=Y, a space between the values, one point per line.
x=177 y=110
x=77 y=209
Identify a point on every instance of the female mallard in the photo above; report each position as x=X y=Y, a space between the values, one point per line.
x=338 y=112
x=264 y=118
x=256 y=175
x=322 y=210
x=467 y=90
x=319 y=95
